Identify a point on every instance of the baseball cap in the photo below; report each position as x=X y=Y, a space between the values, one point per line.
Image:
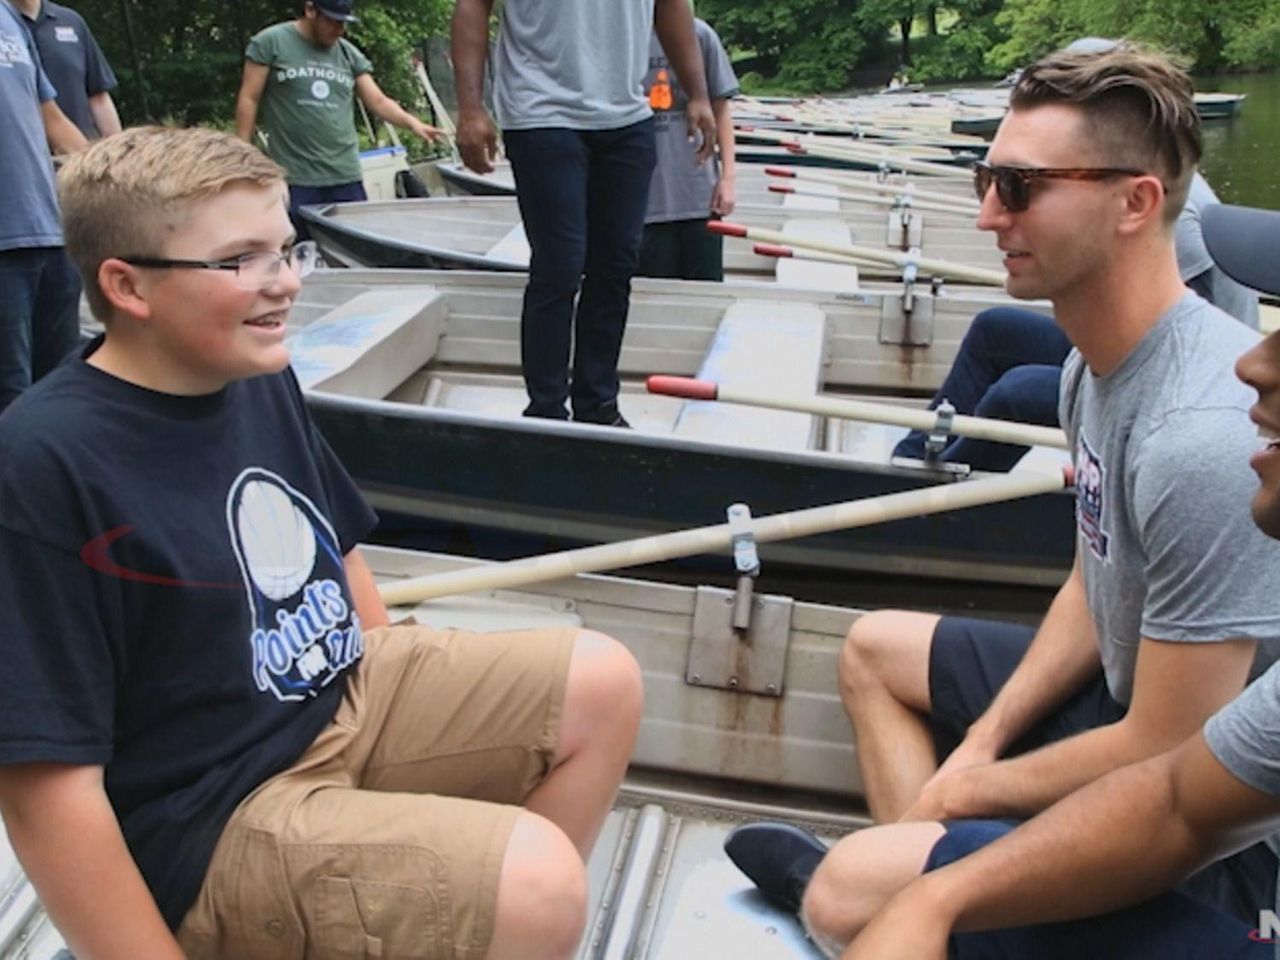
x=336 y=9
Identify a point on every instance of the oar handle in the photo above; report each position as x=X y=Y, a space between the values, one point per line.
x=977 y=428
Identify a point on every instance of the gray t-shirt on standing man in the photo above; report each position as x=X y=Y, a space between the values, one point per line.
x=1168 y=547
x=680 y=189
x=575 y=64
x=29 y=211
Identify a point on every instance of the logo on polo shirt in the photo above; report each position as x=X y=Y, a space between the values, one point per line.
x=13 y=50
x=65 y=35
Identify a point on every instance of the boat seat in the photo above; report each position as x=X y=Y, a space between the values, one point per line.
x=371 y=343
x=488 y=614
x=513 y=247
x=814 y=274
x=766 y=346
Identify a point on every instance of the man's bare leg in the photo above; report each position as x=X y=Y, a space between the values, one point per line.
x=542 y=894
x=860 y=874
x=884 y=683
x=602 y=707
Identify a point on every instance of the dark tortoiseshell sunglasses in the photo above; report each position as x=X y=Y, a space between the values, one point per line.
x=1013 y=184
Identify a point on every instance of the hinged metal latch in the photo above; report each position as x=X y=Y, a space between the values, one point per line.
x=747 y=560
x=940 y=432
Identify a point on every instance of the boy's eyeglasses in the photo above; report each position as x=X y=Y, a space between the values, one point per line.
x=253 y=271
x=1013 y=184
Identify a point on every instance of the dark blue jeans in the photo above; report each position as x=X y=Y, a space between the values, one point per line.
x=312 y=196
x=1008 y=367
x=39 y=316
x=1173 y=926
x=582 y=195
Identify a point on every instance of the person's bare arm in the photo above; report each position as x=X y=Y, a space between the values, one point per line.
x=63 y=135
x=252 y=85
x=1062 y=658
x=105 y=117
x=1118 y=841
x=725 y=197
x=364 y=591
x=673 y=22
x=68 y=841
x=384 y=108
x=477 y=137
x=1176 y=688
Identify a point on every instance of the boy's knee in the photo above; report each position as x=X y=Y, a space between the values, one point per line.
x=833 y=911
x=606 y=673
x=542 y=892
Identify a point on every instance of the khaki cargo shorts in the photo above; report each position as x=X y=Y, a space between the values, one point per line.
x=386 y=838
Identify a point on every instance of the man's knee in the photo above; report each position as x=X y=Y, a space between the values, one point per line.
x=542 y=891
x=1026 y=394
x=887 y=650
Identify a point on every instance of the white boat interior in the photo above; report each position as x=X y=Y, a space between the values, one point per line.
x=450 y=340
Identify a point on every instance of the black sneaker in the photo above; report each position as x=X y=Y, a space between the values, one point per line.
x=606 y=417
x=778 y=858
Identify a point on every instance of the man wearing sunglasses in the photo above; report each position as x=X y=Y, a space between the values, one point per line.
x=1169 y=607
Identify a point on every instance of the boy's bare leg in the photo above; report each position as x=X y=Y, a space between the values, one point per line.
x=542 y=894
x=884 y=683
x=860 y=874
x=602 y=706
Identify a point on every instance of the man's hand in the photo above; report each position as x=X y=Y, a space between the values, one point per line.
x=724 y=198
x=949 y=796
x=906 y=928
x=700 y=122
x=477 y=141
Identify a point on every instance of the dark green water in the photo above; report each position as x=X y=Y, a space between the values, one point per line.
x=1242 y=153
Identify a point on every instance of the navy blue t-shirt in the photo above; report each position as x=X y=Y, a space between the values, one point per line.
x=173 y=602
x=73 y=62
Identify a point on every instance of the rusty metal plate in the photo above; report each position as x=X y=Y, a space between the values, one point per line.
x=903 y=327
x=753 y=661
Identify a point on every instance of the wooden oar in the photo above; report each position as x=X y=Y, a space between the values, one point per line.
x=877 y=199
x=889 y=158
x=685 y=543
x=783 y=252
x=962 y=425
x=911 y=187
x=931 y=265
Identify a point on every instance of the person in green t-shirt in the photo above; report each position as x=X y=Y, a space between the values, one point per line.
x=303 y=74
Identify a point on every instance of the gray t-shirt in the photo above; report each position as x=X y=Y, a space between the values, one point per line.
x=1168 y=547
x=1194 y=260
x=575 y=64
x=73 y=61
x=29 y=212
x=680 y=189
x=1245 y=737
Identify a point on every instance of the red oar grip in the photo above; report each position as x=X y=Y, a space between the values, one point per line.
x=780 y=171
x=726 y=229
x=773 y=250
x=781 y=188
x=686 y=387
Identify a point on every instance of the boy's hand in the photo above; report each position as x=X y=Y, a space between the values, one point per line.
x=700 y=122
x=426 y=131
x=477 y=140
x=724 y=198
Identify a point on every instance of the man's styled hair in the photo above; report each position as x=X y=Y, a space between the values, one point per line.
x=1139 y=110
x=124 y=195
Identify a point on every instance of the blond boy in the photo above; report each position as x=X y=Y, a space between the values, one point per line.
x=210 y=741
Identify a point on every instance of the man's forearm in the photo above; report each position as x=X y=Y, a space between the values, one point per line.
x=673 y=22
x=1062 y=658
x=76 y=858
x=105 y=117
x=470 y=48
x=246 y=118
x=724 y=138
x=1116 y=842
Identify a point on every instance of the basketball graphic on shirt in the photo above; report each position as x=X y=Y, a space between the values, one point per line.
x=279 y=545
x=320 y=90
x=303 y=629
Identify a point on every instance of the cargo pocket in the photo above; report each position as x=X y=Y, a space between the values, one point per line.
x=372 y=919
x=261 y=922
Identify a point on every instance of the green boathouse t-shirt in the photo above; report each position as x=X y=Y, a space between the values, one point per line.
x=306 y=108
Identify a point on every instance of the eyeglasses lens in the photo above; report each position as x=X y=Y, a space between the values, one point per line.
x=260 y=270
